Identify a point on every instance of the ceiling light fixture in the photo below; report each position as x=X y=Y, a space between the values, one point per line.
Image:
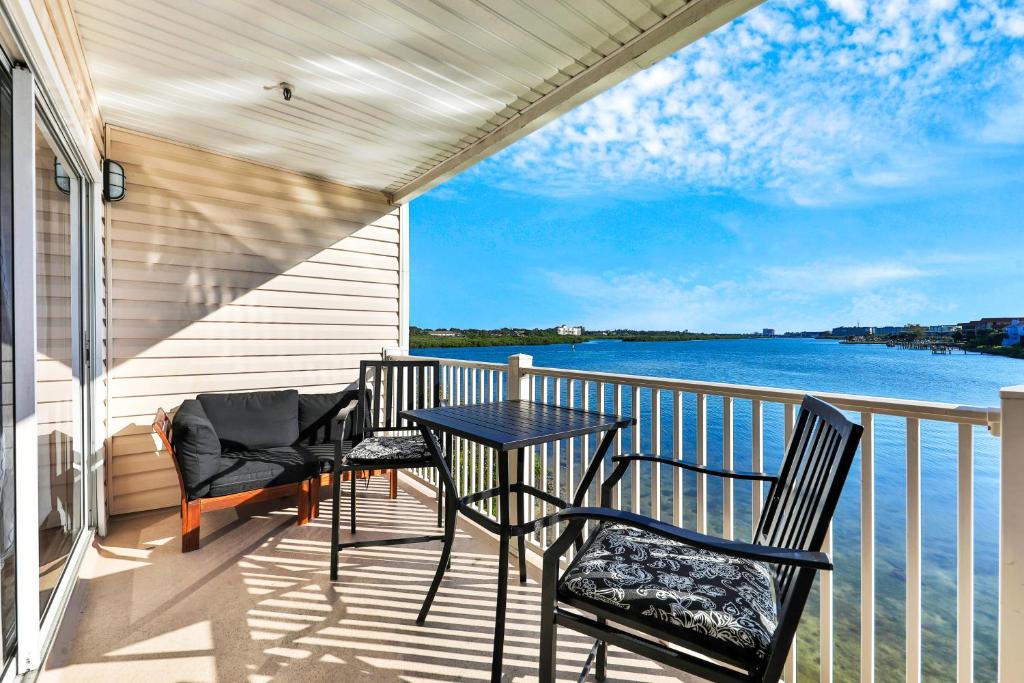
x=286 y=89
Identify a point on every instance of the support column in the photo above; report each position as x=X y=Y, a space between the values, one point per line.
x=518 y=389
x=1011 y=535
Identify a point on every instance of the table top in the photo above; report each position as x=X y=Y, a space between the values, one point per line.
x=507 y=425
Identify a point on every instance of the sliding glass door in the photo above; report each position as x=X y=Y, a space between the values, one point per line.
x=58 y=371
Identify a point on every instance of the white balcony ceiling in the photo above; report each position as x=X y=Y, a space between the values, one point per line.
x=391 y=95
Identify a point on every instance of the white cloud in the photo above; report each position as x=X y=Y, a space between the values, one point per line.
x=831 y=277
x=842 y=101
x=852 y=10
x=808 y=296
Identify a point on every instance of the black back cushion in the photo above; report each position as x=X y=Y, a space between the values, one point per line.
x=315 y=415
x=196 y=448
x=257 y=419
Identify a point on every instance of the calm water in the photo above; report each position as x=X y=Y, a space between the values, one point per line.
x=815 y=365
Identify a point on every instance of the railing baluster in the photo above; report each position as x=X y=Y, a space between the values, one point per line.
x=656 y=451
x=635 y=471
x=913 y=549
x=531 y=466
x=617 y=409
x=965 y=555
x=585 y=441
x=867 y=548
x=604 y=470
x=825 y=625
x=788 y=420
x=496 y=378
x=702 y=460
x=788 y=413
x=544 y=464
x=473 y=447
x=727 y=488
x=677 y=454
x=557 y=458
x=462 y=442
x=570 y=446
x=756 y=464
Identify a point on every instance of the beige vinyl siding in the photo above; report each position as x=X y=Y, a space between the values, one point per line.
x=226 y=275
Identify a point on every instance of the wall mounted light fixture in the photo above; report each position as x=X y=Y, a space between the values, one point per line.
x=61 y=177
x=113 y=181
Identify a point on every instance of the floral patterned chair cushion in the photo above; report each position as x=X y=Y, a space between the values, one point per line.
x=381 y=448
x=721 y=604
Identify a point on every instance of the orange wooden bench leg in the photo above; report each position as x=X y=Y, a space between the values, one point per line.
x=393 y=484
x=191 y=511
x=314 y=497
x=305 y=502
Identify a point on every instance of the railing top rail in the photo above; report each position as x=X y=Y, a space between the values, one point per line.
x=481 y=365
x=899 y=407
x=928 y=410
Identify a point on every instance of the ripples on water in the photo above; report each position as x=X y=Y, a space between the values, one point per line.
x=818 y=365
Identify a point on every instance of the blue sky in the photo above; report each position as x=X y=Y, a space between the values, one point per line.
x=809 y=165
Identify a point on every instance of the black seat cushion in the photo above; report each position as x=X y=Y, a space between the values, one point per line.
x=721 y=604
x=253 y=420
x=247 y=470
x=383 y=449
x=196 y=447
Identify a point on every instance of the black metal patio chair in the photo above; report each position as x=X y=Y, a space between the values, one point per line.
x=384 y=441
x=720 y=609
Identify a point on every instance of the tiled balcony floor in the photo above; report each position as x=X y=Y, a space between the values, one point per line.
x=255 y=604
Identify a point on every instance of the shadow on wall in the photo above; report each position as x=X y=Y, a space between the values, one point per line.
x=257 y=605
x=230 y=276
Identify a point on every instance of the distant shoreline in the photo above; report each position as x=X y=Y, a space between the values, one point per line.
x=432 y=342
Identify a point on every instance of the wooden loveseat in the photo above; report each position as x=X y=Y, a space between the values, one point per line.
x=231 y=449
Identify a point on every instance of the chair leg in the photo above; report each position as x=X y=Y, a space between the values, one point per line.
x=442 y=564
x=601 y=671
x=304 y=501
x=191 y=511
x=352 y=504
x=335 y=522
x=440 y=487
x=548 y=645
x=393 y=484
x=521 y=540
x=501 y=605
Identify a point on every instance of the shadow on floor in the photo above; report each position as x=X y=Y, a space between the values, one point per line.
x=255 y=604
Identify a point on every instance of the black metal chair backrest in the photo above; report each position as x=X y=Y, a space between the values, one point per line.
x=387 y=387
x=801 y=502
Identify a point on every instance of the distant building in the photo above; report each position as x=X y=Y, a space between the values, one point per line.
x=890 y=330
x=768 y=332
x=1014 y=333
x=443 y=333
x=570 y=330
x=942 y=330
x=973 y=327
x=852 y=331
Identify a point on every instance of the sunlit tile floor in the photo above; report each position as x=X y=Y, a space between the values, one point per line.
x=255 y=604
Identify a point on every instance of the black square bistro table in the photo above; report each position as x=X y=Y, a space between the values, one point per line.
x=508 y=427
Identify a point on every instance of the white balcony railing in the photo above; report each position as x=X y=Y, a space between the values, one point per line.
x=672 y=418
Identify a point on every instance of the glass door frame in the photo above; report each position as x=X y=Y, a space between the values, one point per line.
x=35 y=630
